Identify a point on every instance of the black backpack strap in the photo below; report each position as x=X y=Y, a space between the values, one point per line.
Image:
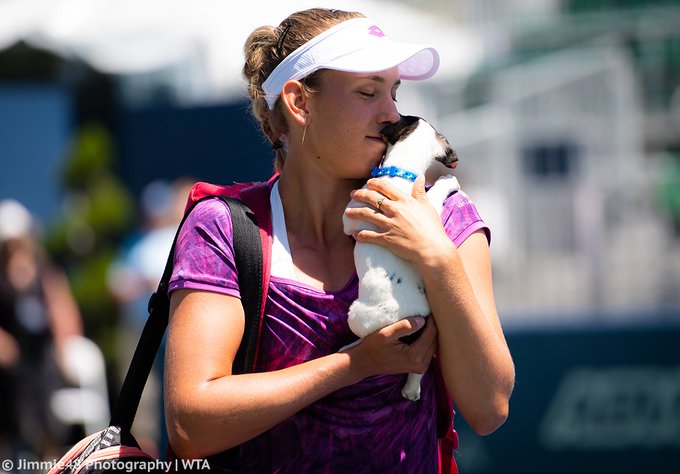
x=248 y=256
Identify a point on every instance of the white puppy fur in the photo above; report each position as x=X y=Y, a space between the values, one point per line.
x=391 y=288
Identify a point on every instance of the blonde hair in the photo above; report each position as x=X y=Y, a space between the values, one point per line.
x=266 y=47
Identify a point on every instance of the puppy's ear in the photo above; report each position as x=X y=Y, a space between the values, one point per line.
x=450 y=156
x=400 y=130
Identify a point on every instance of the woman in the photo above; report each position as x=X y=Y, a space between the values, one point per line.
x=323 y=85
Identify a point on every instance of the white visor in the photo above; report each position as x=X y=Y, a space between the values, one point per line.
x=356 y=45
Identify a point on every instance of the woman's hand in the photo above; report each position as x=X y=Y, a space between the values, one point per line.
x=408 y=224
x=382 y=352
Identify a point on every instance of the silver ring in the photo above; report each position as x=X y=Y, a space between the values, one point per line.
x=379 y=202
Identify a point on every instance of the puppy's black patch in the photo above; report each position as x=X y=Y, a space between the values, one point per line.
x=400 y=130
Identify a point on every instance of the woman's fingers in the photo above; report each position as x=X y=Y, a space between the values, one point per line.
x=385 y=188
x=377 y=193
x=399 y=357
x=404 y=327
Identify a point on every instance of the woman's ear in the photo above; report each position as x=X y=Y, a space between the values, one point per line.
x=295 y=100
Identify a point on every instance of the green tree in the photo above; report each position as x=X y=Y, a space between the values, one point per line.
x=96 y=212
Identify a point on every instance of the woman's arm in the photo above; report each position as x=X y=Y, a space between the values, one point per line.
x=475 y=359
x=209 y=410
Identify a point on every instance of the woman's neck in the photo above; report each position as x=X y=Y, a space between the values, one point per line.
x=313 y=205
x=320 y=250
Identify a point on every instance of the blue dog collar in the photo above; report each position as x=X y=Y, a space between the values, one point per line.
x=393 y=171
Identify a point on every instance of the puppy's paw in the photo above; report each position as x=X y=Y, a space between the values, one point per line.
x=441 y=189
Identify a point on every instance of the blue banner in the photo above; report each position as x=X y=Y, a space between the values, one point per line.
x=587 y=400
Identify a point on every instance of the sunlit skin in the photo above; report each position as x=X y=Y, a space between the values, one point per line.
x=341 y=145
x=348 y=115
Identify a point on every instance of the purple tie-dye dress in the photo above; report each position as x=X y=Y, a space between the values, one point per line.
x=364 y=428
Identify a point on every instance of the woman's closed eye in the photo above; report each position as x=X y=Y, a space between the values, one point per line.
x=370 y=95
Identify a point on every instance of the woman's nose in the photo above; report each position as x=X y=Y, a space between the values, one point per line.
x=390 y=114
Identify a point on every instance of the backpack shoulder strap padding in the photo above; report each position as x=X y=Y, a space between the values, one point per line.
x=249 y=265
x=256 y=197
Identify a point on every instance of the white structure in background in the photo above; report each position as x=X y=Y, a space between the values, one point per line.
x=557 y=157
x=87 y=402
x=194 y=49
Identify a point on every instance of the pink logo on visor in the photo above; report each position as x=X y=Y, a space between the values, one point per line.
x=375 y=31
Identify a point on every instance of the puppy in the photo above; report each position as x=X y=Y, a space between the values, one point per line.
x=391 y=288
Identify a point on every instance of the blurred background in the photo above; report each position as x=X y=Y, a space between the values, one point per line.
x=565 y=115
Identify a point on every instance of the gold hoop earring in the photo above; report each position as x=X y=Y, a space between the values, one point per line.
x=304 y=132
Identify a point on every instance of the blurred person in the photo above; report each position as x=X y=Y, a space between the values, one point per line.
x=37 y=316
x=323 y=85
x=132 y=279
x=139 y=265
